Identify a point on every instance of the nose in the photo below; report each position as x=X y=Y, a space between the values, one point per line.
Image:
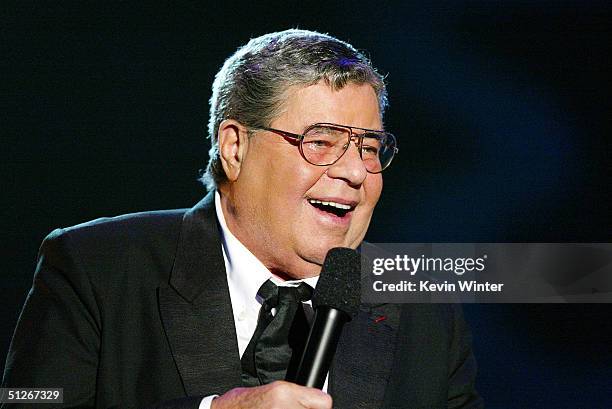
x=349 y=167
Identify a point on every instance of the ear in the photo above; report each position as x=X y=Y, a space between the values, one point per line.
x=233 y=146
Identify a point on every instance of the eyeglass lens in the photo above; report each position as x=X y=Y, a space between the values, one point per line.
x=324 y=144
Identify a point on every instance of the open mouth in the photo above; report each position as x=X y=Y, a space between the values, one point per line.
x=332 y=208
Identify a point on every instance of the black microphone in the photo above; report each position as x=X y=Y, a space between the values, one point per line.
x=336 y=301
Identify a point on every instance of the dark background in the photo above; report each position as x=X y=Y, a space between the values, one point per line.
x=502 y=112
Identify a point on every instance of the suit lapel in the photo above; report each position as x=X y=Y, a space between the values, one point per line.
x=196 y=309
x=364 y=358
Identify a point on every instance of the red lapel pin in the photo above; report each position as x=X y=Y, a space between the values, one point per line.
x=380 y=319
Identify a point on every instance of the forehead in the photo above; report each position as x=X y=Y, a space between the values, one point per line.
x=354 y=105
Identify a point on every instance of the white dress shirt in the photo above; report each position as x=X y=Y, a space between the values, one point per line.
x=245 y=274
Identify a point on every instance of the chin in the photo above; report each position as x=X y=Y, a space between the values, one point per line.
x=316 y=254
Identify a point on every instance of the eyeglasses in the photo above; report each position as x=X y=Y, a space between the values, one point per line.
x=323 y=144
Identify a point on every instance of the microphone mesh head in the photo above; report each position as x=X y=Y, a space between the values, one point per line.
x=339 y=284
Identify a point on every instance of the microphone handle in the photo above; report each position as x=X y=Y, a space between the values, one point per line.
x=320 y=346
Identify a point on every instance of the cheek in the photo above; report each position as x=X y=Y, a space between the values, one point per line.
x=373 y=188
x=287 y=193
x=300 y=177
x=287 y=171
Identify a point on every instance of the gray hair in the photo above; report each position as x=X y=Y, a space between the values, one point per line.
x=251 y=85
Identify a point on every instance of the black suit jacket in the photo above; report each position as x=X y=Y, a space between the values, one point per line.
x=134 y=311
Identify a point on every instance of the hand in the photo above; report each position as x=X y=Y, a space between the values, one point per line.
x=276 y=395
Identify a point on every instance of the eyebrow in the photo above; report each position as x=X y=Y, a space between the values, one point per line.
x=346 y=126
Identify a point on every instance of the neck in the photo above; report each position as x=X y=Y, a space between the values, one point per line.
x=285 y=267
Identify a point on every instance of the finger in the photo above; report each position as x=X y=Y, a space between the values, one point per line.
x=312 y=398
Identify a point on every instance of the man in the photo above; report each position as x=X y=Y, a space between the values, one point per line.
x=158 y=308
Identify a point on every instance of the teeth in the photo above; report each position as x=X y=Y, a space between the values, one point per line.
x=332 y=204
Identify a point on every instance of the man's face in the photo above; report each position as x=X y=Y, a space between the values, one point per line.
x=271 y=203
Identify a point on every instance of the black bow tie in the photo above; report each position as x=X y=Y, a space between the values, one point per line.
x=278 y=342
